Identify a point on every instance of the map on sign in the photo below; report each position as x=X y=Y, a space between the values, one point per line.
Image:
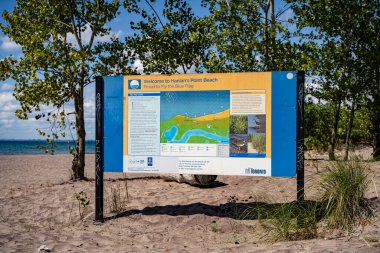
x=198 y=117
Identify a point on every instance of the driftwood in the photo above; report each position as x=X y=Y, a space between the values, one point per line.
x=190 y=179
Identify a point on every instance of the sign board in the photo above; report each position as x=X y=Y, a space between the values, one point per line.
x=245 y=124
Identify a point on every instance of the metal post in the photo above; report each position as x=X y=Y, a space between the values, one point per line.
x=99 y=165
x=300 y=137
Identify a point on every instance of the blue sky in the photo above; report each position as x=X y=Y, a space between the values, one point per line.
x=13 y=128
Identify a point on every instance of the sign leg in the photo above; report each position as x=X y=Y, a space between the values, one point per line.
x=99 y=165
x=300 y=137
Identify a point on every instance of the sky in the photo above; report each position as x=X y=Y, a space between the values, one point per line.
x=14 y=128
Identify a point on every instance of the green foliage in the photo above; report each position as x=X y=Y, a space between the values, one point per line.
x=258 y=141
x=246 y=38
x=337 y=49
x=173 y=41
x=362 y=130
x=82 y=199
x=57 y=60
x=345 y=65
x=238 y=124
x=318 y=120
x=83 y=202
x=317 y=125
x=342 y=190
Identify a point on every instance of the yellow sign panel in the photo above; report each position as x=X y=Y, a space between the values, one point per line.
x=191 y=101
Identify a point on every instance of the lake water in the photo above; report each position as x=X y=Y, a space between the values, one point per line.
x=29 y=147
x=172 y=132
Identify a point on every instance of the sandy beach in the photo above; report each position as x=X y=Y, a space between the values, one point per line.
x=38 y=207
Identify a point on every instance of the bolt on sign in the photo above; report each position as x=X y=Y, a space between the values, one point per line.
x=243 y=124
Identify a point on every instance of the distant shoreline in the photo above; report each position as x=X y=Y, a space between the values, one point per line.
x=30 y=147
x=42 y=154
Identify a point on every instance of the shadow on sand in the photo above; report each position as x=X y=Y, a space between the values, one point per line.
x=239 y=211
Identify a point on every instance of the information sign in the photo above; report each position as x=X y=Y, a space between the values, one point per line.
x=246 y=124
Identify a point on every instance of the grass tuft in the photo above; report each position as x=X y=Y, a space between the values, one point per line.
x=341 y=203
x=118 y=202
x=291 y=221
x=286 y=221
x=258 y=142
x=342 y=190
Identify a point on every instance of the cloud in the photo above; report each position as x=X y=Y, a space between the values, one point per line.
x=86 y=36
x=8 y=106
x=6 y=97
x=6 y=87
x=13 y=128
x=191 y=70
x=6 y=123
x=138 y=66
x=9 y=45
x=89 y=111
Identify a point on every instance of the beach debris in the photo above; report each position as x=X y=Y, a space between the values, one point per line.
x=232 y=200
x=44 y=248
x=190 y=179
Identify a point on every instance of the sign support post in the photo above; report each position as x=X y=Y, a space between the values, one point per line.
x=300 y=137
x=99 y=163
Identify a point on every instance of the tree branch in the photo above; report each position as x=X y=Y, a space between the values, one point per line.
x=155 y=12
x=74 y=27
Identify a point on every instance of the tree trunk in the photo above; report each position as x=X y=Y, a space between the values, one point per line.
x=266 y=38
x=331 y=148
x=273 y=36
x=79 y=157
x=376 y=119
x=349 y=128
x=376 y=137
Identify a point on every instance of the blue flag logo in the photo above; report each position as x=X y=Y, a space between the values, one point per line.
x=134 y=84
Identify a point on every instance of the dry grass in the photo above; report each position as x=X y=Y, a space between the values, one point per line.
x=118 y=197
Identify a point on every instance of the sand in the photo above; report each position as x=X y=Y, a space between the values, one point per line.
x=38 y=207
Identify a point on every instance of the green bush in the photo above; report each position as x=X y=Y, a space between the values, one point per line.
x=317 y=125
